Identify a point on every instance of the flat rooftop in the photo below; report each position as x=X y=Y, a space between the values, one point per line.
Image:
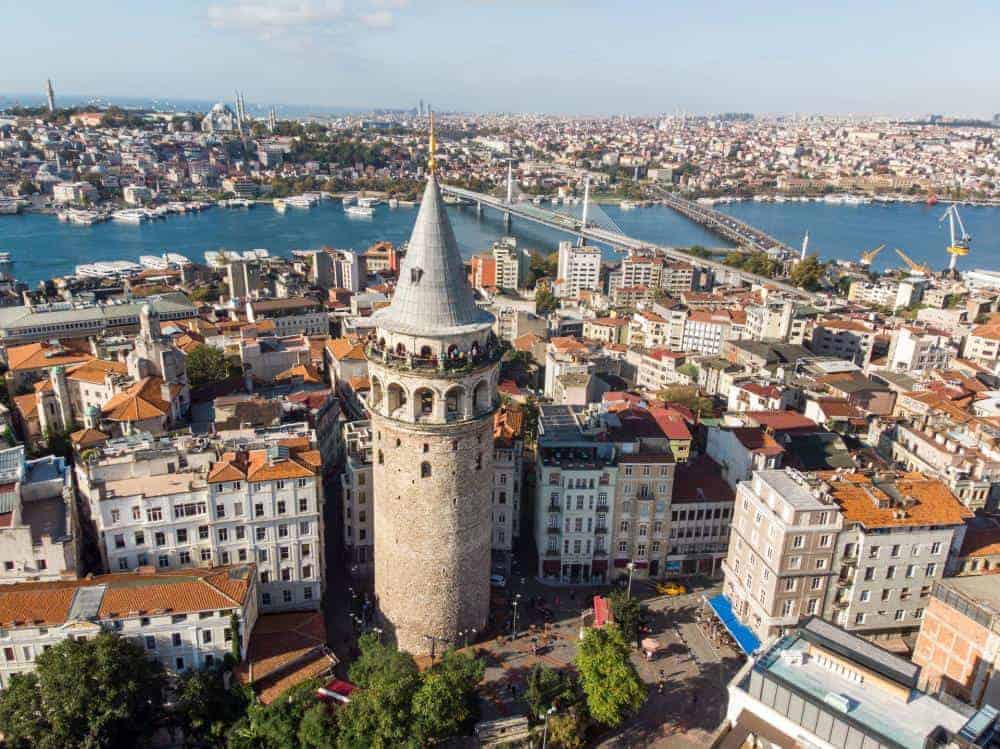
x=873 y=710
x=796 y=495
x=154 y=486
x=982 y=590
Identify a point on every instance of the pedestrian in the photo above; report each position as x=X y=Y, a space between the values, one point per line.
x=659 y=686
x=513 y=691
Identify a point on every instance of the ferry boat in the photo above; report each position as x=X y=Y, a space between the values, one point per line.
x=307 y=200
x=108 y=269
x=154 y=262
x=80 y=217
x=177 y=259
x=368 y=202
x=131 y=216
x=236 y=203
x=257 y=254
x=360 y=211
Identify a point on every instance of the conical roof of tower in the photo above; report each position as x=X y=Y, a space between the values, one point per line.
x=433 y=296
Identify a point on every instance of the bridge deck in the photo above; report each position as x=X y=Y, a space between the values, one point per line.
x=618 y=240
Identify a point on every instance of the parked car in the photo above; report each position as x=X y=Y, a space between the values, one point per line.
x=671 y=588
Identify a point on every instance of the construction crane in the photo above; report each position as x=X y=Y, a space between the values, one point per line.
x=960 y=244
x=868 y=256
x=923 y=270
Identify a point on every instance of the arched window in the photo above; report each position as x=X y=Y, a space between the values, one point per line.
x=481 y=397
x=376 y=396
x=479 y=461
x=452 y=351
x=425 y=352
x=424 y=401
x=400 y=349
x=396 y=397
x=425 y=470
x=454 y=403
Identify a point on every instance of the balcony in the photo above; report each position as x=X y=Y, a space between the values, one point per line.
x=601 y=529
x=601 y=508
x=555 y=508
x=553 y=530
x=600 y=552
x=460 y=364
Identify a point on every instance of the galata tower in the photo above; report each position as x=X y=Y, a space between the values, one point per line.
x=433 y=363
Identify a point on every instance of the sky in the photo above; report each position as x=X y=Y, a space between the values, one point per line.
x=897 y=57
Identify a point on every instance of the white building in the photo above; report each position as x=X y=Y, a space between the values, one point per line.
x=183 y=619
x=75 y=192
x=511 y=264
x=359 y=510
x=291 y=316
x=251 y=496
x=915 y=349
x=579 y=269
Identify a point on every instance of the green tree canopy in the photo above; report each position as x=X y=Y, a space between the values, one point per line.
x=102 y=692
x=207 y=365
x=444 y=704
x=206 y=709
x=689 y=397
x=609 y=680
x=808 y=274
x=628 y=614
x=545 y=302
x=549 y=687
x=289 y=722
x=568 y=730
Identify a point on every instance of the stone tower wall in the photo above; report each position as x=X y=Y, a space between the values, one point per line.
x=432 y=533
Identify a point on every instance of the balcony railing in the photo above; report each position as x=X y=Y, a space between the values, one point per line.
x=555 y=508
x=458 y=364
x=601 y=529
x=553 y=530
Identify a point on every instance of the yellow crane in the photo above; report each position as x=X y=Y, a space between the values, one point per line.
x=959 y=245
x=868 y=256
x=914 y=267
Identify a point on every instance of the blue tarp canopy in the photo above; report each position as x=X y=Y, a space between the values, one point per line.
x=744 y=637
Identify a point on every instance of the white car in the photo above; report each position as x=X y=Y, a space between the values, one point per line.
x=498 y=581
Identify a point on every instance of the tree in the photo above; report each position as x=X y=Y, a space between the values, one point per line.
x=609 y=680
x=568 y=730
x=627 y=613
x=807 y=274
x=318 y=728
x=545 y=301
x=206 y=709
x=283 y=723
x=687 y=396
x=444 y=702
x=549 y=687
x=207 y=365
x=90 y=693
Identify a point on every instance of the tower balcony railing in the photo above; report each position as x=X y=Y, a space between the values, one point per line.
x=454 y=365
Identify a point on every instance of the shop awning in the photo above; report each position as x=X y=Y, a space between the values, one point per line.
x=744 y=636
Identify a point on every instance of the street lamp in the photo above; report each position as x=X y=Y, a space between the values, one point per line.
x=517 y=600
x=631 y=567
x=378 y=633
x=545 y=730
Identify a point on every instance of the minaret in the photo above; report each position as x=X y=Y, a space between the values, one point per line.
x=51 y=94
x=433 y=363
x=805 y=246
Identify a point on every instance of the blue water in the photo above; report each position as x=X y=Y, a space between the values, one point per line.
x=43 y=247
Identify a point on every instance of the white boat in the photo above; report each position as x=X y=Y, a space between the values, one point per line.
x=154 y=262
x=279 y=205
x=177 y=259
x=626 y=205
x=308 y=200
x=368 y=202
x=108 y=269
x=236 y=203
x=80 y=217
x=130 y=216
x=9 y=206
x=257 y=254
x=359 y=211
x=393 y=203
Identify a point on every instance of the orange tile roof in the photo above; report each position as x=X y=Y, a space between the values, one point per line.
x=981 y=542
x=41 y=355
x=932 y=502
x=88 y=437
x=359 y=384
x=256 y=465
x=990 y=331
x=95 y=370
x=26 y=405
x=128 y=594
x=141 y=401
x=345 y=348
x=307 y=372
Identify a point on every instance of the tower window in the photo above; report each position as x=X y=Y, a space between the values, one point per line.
x=380 y=458
x=415 y=274
x=427 y=448
x=425 y=470
x=398 y=442
x=479 y=461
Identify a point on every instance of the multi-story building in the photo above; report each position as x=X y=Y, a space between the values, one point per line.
x=958 y=647
x=677 y=277
x=508 y=479
x=845 y=339
x=39 y=529
x=575 y=483
x=185 y=619
x=820 y=686
x=357 y=485
x=919 y=350
x=579 y=269
x=983 y=345
x=248 y=496
x=781 y=553
x=291 y=316
x=660 y=368
x=705 y=331
x=770 y=320
x=887 y=293
x=701 y=509
x=511 y=264
x=75 y=192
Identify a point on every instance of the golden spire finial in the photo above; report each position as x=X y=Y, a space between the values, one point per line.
x=431 y=163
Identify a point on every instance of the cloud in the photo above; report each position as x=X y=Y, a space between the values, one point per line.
x=271 y=19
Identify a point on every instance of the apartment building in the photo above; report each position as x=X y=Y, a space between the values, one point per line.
x=356 y=490
x=508 y=477
x=677 y=277
x=39 y=528
x=660 y=368
x=887 y=293
x=575 y=482
x=291 y=316
x=844 y=339
x=511 y=264
x=185 y=619
x=701 y=509
x=704 y=331
x=983 y=345
x=958 y=647
x=770 y=320
x=780 y=562
x=919 y=350
x=244 y=496
x=579 y=269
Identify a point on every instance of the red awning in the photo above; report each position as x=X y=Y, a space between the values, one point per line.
x=598 y=566
x=550 y=566
x=621 y=563
x=641 y=565
x=602 y=612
